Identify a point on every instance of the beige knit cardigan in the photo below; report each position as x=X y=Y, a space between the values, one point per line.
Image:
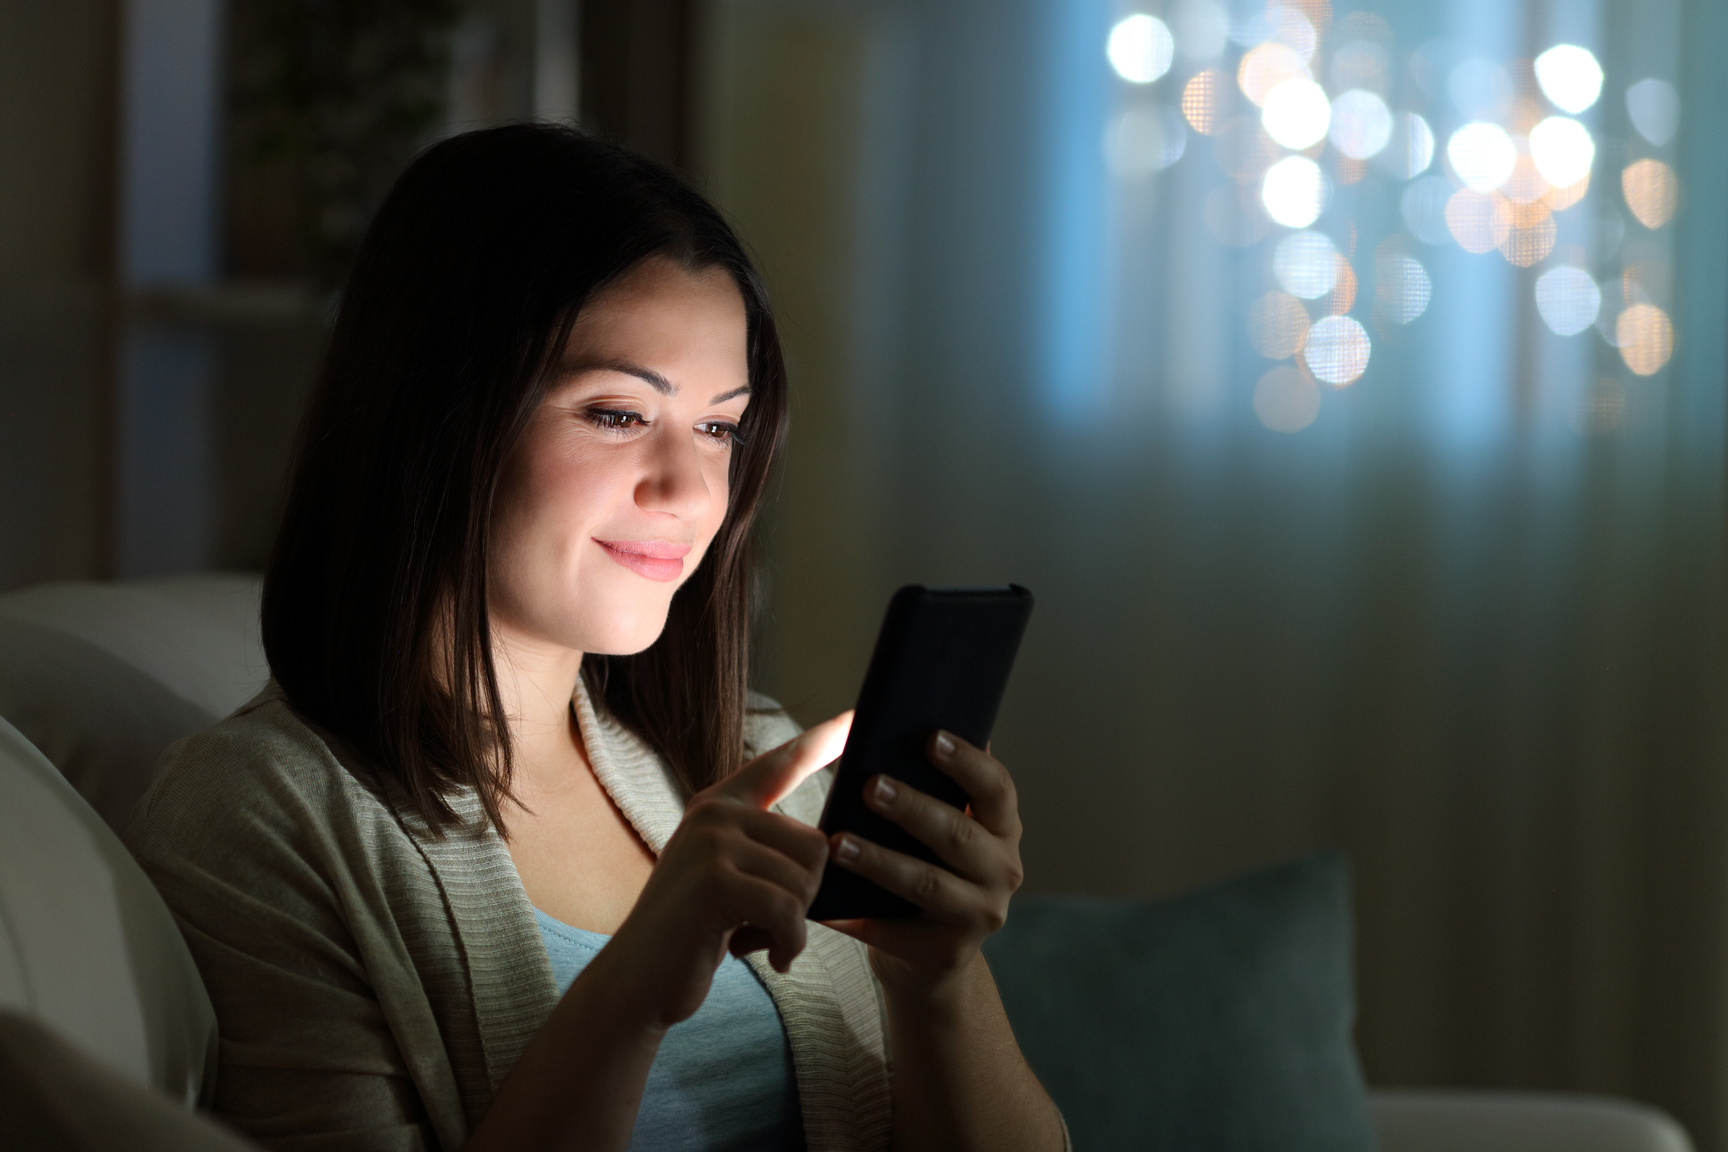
x=374 y=984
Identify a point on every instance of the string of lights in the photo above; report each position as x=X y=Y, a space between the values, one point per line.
x=1489 y=156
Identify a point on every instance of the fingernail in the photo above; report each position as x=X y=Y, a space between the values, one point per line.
x=885 y=790
x=944 y=744
x=847 y=849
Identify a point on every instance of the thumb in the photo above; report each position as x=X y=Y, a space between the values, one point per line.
x=765 y=780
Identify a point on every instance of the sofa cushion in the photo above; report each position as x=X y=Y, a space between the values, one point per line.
x=102 y=677
x=54 y=1098
x=1218 y=1020
x=1492 y=1120
x=86 y=944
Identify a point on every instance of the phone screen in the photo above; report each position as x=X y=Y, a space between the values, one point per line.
x=942 y=660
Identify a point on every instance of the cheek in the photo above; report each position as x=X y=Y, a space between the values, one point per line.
x=719 y=477
x=576 y=480
x=566 y=488
x=549 y=494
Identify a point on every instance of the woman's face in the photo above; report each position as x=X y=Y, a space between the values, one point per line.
x=620 y=482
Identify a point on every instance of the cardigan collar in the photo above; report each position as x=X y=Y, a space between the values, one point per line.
x=638 y=780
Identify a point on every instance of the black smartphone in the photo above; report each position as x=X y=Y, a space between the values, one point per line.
x=942 y=660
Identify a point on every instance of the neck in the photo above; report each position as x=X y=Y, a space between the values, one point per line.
x=536 y=681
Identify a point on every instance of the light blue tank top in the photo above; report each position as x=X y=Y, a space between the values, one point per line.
x=722 y=1079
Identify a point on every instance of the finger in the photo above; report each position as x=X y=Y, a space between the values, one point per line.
x=958 y=840
x=983 y=778
x=936 y=890
x=780 y=870
x=805 y=845
x=848 y=926
x=758 y=904
x=765 y=780
x=720 y=817
x=914 y=939
x=749 y=939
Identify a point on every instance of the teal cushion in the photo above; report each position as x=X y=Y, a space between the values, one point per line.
x=1216 y=1021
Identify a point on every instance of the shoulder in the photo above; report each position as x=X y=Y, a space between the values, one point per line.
x=260 y=780
x=321 y=933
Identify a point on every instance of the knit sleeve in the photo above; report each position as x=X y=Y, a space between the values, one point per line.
x=255 y=852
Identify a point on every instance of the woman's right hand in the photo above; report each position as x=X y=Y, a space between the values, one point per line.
x=734 y=876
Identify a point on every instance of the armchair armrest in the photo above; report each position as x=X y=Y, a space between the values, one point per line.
x=1487 y=1120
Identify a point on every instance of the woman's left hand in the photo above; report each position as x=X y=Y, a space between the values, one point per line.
x=960 y=907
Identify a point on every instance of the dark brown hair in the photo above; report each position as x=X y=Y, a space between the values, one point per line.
x=462 y=296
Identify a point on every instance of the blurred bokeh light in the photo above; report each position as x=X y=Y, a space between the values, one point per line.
x=1646 y=338
x=1294 y=191
x=1562 y=150
x=1568 y=300
x=1402 y=288
x=1528 y=244
x=1570 y=77
x=1410 y=150
x=1266 y=66
x=1286 y=399
x=1478 y=221
x=1297 y=113
x=1306 y=264
x=1200 y=100
x=1140 y=48
x=1277 y=324
x=1362 y=126
x=1325 y=123
x=1482 y=155
x=1654 y=109
x=1144 y=139
x=1201 y=29
x=1336 y=350
x=1652 y=191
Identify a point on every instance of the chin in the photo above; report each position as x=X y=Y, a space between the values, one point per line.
x=627 y=632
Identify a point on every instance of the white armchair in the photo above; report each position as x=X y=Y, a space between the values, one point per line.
x=1459 y=1120
x=102 y=677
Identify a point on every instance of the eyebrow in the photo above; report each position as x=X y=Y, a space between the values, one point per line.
x=654 y=379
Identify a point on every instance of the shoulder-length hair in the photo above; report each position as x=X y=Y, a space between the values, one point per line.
x=459 y=304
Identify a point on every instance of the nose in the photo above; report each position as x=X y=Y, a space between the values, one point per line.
x=673 y=481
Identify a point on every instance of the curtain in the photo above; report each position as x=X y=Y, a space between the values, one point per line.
x=1347 y=383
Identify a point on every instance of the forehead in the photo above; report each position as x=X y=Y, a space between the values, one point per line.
x=661 y=304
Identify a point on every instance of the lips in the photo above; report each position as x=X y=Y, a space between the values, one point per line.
x=660 y=560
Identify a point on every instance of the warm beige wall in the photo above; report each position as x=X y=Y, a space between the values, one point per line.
x=57 y=72
x=56 y=137
x=780 y=121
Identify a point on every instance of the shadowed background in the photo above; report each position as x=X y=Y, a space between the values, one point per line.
x=1460 y=615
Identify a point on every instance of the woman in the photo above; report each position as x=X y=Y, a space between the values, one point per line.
x=476 y=869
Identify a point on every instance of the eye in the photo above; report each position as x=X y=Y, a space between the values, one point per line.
x=723 y=431
x=615 y=420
